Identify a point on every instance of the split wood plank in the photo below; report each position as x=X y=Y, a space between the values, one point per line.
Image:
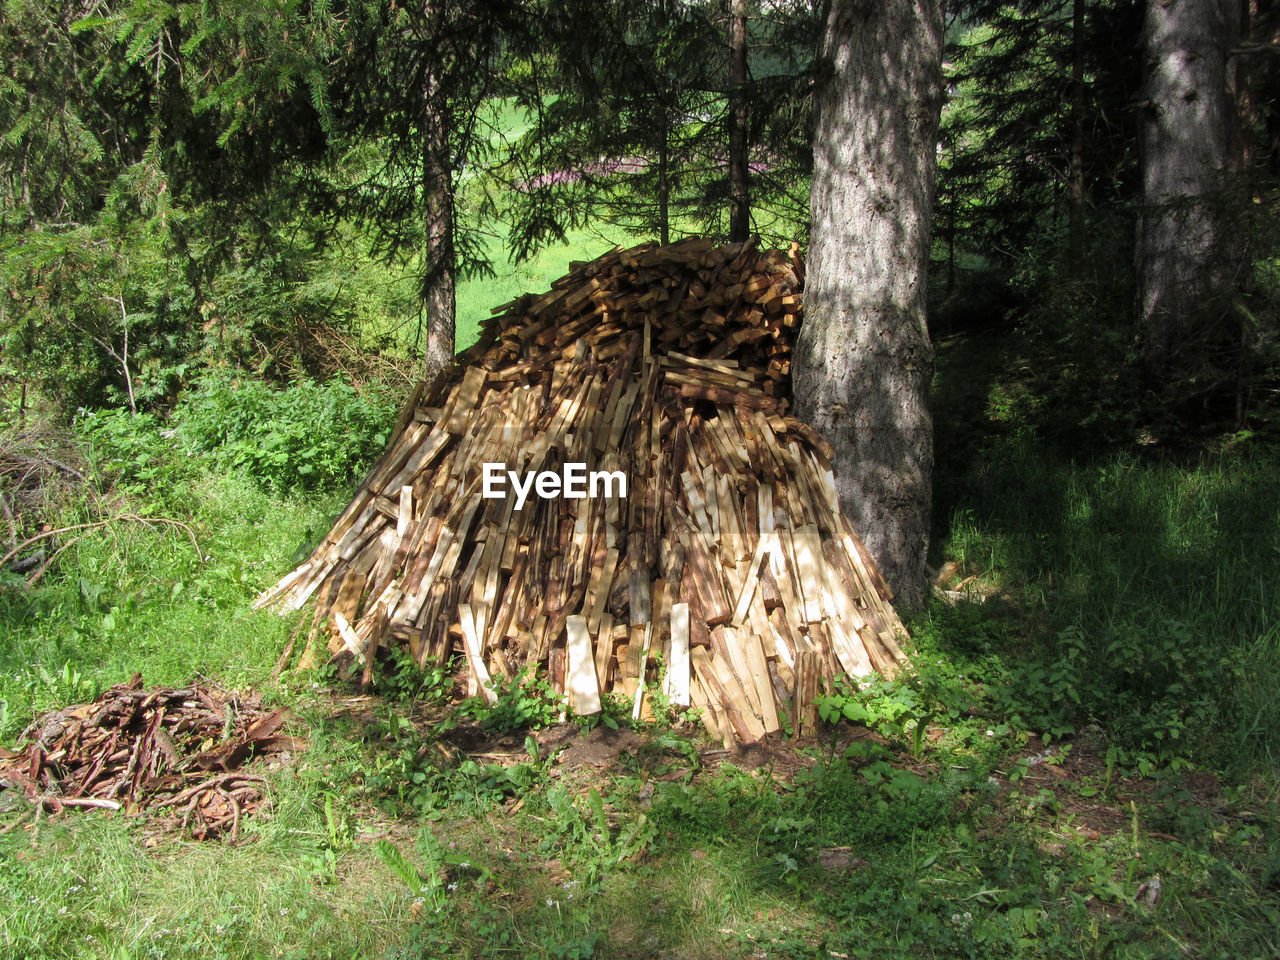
x=677 y=678
x=604 y=651
x=582 y=682
x=475 y=658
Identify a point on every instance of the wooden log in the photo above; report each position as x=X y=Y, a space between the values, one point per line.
x=746 y=594
x=475 y=657
x=347 y=635
x=697 y=503
x=598 y=589
x=727 y=396
x=707 y=578
x=646 y=643
x=806 y=548
x=730 y=648
x=716 y=672
x=759 y=673
x=712 y=505
x=404 y=513
x=604 y=652
x=713 y=721
x=803 y=709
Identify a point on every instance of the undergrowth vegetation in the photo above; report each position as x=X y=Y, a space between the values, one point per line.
x=1137 y=585
x=172 y=600
x=1080 y=762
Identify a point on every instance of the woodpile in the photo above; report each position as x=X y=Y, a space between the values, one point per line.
x=726 y=578
x=177 y=753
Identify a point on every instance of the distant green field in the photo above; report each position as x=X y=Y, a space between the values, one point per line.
x=477 y=296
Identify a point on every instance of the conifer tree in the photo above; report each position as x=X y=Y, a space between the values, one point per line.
x=663 y=116
x=863 y=359
x=1189 y=252
x=413 y=86
x=1040 y=131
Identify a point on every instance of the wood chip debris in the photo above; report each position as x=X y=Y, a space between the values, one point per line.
x=176 y=753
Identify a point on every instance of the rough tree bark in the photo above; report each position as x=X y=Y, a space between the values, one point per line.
x=438 y=281
x=864 y=359
x=739 y=198
x=439 y=258
x=1075 y=227
x=1188 y=246
x=664 y=180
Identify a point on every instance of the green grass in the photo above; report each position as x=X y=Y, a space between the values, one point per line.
x=1106 y=717
x=1146 y=580
x=949 y=856
x=477 y=296
x=133 y=599
x=99 y=887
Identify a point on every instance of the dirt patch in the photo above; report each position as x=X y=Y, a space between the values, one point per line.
x=606 y=749
x=470 y=738
x=782 y=759
x=554 y=739
x=601 y=748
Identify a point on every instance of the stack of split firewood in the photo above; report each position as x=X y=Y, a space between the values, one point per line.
x=726 y=578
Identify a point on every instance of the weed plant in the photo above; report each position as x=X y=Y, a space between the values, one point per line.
x=127 y=598
x=310 y=436
x=526 y=702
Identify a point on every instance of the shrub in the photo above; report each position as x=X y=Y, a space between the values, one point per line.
x=308 y=436
x=133 y=454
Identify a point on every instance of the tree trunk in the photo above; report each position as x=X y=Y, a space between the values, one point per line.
x=1249 y=72
x=864 y=360
x=437 y=200
x=438 y=283
x=739 y=197
x=1075 y=226
x=1188 y=247
x=664 y=183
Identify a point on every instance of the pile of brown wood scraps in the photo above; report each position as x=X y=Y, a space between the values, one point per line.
x=609 y=485
x=177 y=754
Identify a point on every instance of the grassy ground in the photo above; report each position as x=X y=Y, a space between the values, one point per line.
x=652 y=845
x=1093 y=714
x=1146 y=574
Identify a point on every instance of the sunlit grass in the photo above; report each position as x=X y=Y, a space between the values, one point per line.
x=477 y=296
x=133 y=599
x=97 y=887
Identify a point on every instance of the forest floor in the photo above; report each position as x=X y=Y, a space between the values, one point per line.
x=1081 y=763
x=403 y=832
